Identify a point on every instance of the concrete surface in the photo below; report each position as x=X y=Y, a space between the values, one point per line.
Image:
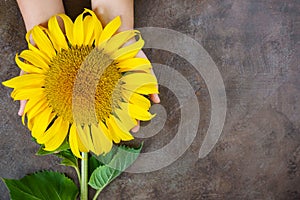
x=255 y=45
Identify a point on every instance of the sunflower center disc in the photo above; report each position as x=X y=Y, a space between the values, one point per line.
x=63 y=74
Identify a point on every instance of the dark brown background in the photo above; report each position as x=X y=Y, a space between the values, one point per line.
x=255 y=45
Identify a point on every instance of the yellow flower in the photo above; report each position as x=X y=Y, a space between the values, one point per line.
x=82 y=84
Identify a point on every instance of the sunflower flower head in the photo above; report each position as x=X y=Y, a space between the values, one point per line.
x=83 y=85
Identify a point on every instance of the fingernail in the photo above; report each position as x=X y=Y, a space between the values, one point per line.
x=20 y=113
x=157 y=99
x=135 y=129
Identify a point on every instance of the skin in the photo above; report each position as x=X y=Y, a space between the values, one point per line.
x=37 y=12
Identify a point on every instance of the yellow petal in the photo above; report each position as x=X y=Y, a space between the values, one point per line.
x=134 y=64
x=26 y=93
x=57 y=36
x=147 y=89
x=73 y=141
x=140 y=113
x=97 y=26
x=29 y=105
x=116 y=41
x=82 y=136
x=29 y=68
x=123 y=131
x=34 y=49
x=51 y=132
x=109 y=30
x=78 y=33
x=101 y=142
x=35 y=59
x=139 y=78
x=124 y=116
x=97 y=140
x=129 y=51
x=118 y=133
x=88 y=27
x=87 y=131
x=25 y=81
x=85 y=136
x=139 y=100
x=41 y=122
x=81 y=147
x=30 y=124
x=105 y=130
x=43 y=42
x=33 y=101
x=91 y=23
x=134 y=81
x=35 y=110
x=112 y=133
x=58 y=136
x=68 y=24
x=34 y=107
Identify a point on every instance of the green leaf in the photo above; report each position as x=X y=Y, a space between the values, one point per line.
x=68 y=158
x=42 y=186
x=42 y=152
x=107 y=158
x=120 y=159
x=93 y=164
x=102 y=176
x=96 y=161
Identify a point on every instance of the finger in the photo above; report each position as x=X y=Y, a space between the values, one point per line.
x=22 y=107
x=155 y=98
x=22 y=72
x=136 y=128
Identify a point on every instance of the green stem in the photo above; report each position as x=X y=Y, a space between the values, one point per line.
x=84 y=177
x=97 y=194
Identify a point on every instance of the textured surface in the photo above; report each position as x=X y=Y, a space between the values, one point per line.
x=255 y=45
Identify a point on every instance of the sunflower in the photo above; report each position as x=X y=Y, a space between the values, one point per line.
x=83 y=85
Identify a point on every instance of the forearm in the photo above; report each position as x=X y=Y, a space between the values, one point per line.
x=36 y=12
x=106 y=10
